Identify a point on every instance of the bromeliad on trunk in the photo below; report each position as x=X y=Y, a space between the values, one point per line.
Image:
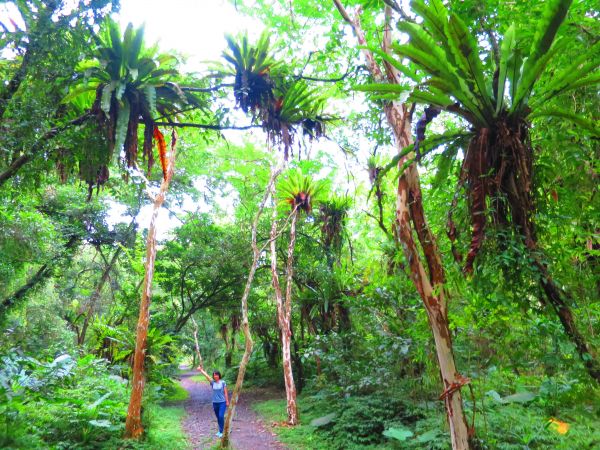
x=498 y=101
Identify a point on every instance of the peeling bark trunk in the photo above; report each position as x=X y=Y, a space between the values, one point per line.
x=196 y=344
x=430 y=287
x=245 y=323
x=133 y=423
x=409 y=213
x=284 y=313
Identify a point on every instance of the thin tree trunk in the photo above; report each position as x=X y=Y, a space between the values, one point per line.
x=133 y=423
x=284 y=312
x=561 y=308
x=197 y=345
x=292 y=407
x=245 y=323
x=435 y=305
x=409 y=212
x=96 y=295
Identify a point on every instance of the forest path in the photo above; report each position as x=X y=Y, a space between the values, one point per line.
x=200 y=425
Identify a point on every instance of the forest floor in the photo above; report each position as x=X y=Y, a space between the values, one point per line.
x=200 y=425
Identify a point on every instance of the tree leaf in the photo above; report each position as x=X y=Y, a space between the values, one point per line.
x=106 y=98
x=588 y=124
x=100 y=423
x=506 y=50
x=122 y=123
x=428 y=436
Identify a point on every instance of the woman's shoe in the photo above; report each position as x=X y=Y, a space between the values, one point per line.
x=219 y=434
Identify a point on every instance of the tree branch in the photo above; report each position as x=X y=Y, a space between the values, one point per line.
x=204 y=126
x=210 y=89
x=26 y=157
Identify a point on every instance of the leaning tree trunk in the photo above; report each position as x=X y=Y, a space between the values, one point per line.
x=409 y=213
x=256 y=251
x=284 y=312
x=434 y=299
x=42 y=274
x=196 y=344
x=91 y=307
x=555 y=297
x=133 y=423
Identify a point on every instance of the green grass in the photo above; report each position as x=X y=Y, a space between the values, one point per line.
x=164 y=428
x=198 y=378
x=301 y=437
x=178 y=394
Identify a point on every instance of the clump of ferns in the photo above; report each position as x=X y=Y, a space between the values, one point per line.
x=132 y=84
x=297 y=108
x=281 y=103
x=253 y=68
x=300 y=192
x=497 y=98
x=331 y=219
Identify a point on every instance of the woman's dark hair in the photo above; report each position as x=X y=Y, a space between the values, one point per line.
x=216 y=372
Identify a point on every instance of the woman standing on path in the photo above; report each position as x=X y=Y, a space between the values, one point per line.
x=220 y=397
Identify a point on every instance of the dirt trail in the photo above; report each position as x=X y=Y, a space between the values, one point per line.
x=200 y=425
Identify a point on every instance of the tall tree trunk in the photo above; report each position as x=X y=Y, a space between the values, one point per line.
x=409 y=212
x=434 y=300
x=256 y=251
x=196 y=344
x=284 y=312
x=133 y=423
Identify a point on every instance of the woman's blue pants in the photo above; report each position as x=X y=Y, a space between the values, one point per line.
x=220 y=413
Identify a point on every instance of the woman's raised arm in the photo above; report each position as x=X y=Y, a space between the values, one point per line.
x=203 y=372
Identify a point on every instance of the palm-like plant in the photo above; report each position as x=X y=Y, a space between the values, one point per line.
x=300 y=192
x=252 y=66
x=332 y=217
x=498 y=103
x=132 y=84
x=283 y=105
x=296 y=107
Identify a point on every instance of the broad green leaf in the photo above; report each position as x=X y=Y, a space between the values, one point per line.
x=519 y=397
x=593 y=126
x=122 y=124
x=506 y=50
x=397 y=64
x=466 y=55
x=105 y=100
x=136 y=47
x=100 y=423
x=553 y=16
x=77 y=91
x=428 y=436
x=563 y=80
x=382 y=87
x=324 y=420
x=531 y=73
x=434 y=16
x=150 y=96
x=400 y=434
